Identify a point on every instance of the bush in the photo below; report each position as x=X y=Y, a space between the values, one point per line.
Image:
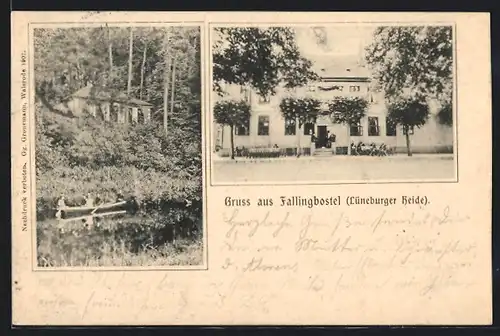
x=264 y=152
x=76 y=156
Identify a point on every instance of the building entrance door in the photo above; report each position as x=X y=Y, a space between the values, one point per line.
x=322 y=137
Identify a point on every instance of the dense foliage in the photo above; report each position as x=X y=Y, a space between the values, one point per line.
x=261 y=58
x=301 y=111
x=415 y=59
x=347 y=110
x=413 y=65
x=78 y=155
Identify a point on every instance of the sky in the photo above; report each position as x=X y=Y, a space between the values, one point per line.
x=342 y=40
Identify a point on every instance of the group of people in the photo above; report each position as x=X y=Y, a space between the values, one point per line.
x=372 y=149
x=331 y=138
x=89 y=201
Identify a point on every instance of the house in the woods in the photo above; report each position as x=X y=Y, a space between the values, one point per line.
x=107 y=105
x=339 y=77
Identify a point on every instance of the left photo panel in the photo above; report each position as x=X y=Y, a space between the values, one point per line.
x=118 y=146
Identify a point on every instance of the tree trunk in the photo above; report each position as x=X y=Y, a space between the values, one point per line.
x=165 y=83
x=349 y=151
x=232 y=142
x=143 y=66
x=408 y=147
x=222 y=137
x=298 y=138
x=130 y=58
x=172 y=91
x=110 y=53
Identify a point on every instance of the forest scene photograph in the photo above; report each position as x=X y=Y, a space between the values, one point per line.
x=118 y=146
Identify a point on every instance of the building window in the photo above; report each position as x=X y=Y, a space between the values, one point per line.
x=356 y=129
x=354 y=88
x=264 y=100
x=115 y=112
x=245 y=93
x=308 y=128
x=243 y=129
x=411 y=130
x=140 y=116
x=373 y=127
x=263 y=128
x=290 y=126
x=390 y=127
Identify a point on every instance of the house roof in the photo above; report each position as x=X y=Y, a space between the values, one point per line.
x=100 y=93
x=348 y=67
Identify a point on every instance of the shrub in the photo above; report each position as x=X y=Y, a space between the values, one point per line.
x=264 y=152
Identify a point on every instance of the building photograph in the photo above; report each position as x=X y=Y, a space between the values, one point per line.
x=332 y=104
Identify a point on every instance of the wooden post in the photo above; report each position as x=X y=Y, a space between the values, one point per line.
x=147 y=114
x=106 y=111
x=135 y=114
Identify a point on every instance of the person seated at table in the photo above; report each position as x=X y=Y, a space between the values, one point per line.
x=354 y=150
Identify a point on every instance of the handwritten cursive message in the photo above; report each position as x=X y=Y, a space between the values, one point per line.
x=345 y=251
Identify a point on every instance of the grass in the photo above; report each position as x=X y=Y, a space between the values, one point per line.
x=97 y=248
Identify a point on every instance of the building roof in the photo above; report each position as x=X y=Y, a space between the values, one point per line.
x=101 y=93
x=349 y=67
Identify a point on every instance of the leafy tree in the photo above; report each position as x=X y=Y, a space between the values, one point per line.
x=408 y=112
x=302 y=110
x=418 y=59
x=347 y=110
x=445 y=115
x=413 y=65
x=261 y=58
x=232 y=113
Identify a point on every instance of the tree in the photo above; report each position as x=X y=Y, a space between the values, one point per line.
x=415 y=58
x=302 y=111
x=232 y=113
x=413 y=65
x=347 y=111
x=165 y=81
x=130 y=59
x=261 y=58
x=408 y=112
x=445 y=115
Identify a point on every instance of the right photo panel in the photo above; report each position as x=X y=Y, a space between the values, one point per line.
x=329 y=104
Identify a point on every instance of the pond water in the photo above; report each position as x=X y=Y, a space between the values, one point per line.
x=122 y=235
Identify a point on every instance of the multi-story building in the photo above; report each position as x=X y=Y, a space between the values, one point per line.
x=267 y=127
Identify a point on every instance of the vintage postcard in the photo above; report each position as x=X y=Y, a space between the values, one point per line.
x=251 y=168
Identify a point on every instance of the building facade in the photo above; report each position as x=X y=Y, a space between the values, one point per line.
x=267 y=127
x=100 y=103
